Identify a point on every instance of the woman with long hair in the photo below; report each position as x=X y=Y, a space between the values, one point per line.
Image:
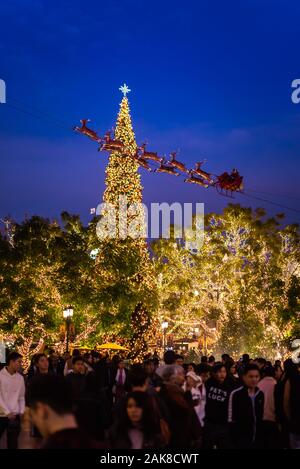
x=136 y=425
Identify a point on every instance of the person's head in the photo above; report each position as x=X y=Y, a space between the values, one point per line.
x=121 y=364
x=211 y=360
x=42 y=363
x=174 y=374
x=191 y=367
x=179 y=360
x=76 y=352
x=251 y=376
x=88 y=358
x=66 y=356
x=169 y=357
x=155 y=361
x=138 y=378
x=192 y=379
x=78 y=365
x=278 y=372
x=261 y=363
x=50 y=399
x=149 y=367
x=136 y=411
x=233 y=369
x=220 y=372
x=269 y=371
x=245 y=358
x=225 y=358
x=14 y=361
x=277 y=363
x=95 y=356
x=204 y=371
x=204 y=359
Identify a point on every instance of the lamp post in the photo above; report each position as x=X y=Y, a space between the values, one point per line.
x=164 y=327
x=68 y=314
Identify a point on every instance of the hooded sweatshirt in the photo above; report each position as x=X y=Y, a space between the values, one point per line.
x=12 y=393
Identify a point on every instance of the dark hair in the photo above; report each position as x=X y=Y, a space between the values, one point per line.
x=248 y=368
x=169 y=357
x=211 y=359
x=204 y=359
x=262 y=361
x=178 y=356
x=38 y=356
x=76 y=352
x=77 y=359
x=13 y=356
x=203 y=368
x=137 y=375
x=192 y=364
x=269 y=371
x=150 y=420
x=218 y=366
x=245 y=357
x=155 y=361
x=225 y=357
x=52 y=390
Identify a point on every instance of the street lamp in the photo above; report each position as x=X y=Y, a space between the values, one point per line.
x=68 y=314
x=164 y=327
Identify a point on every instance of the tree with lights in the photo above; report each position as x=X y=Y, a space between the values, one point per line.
x=127 y=279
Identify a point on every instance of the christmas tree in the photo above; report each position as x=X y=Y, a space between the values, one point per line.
x=124 y=262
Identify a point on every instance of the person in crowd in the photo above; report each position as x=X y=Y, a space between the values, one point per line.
x=246 y=411
x=183 y=422
x=12 y=399
x=77 y=378
x=68 y=362
x=51 y=405
x=154 y=380
x=225 y=358
x=179 y=360
x=278 y=372
x=204 y=371
x=281 y=419
x=232 y=373
x=191 y=367
x=92 y=410
x=169 y=359
x=211 y=360
x=291 y=405
x=270 y=430
x=120 y=381
x=88 y=362
x=204 y=359
x=194 y=389
x=41 y=363
x=218 y=389
x=53 y=361
x=136 y=426
x=261 y=363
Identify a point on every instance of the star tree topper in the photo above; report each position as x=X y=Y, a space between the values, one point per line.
x=125 y=90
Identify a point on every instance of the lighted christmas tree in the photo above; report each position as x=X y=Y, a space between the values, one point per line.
x=124 y=263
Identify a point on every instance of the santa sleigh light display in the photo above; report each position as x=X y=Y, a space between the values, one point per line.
x=226 y=184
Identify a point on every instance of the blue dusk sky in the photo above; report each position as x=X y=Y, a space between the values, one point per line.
x=212 y=79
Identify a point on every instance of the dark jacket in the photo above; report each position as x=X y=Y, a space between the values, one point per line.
x=245 y=416
x=183 y=422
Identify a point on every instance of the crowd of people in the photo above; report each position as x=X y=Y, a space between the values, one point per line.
x=97 y=401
